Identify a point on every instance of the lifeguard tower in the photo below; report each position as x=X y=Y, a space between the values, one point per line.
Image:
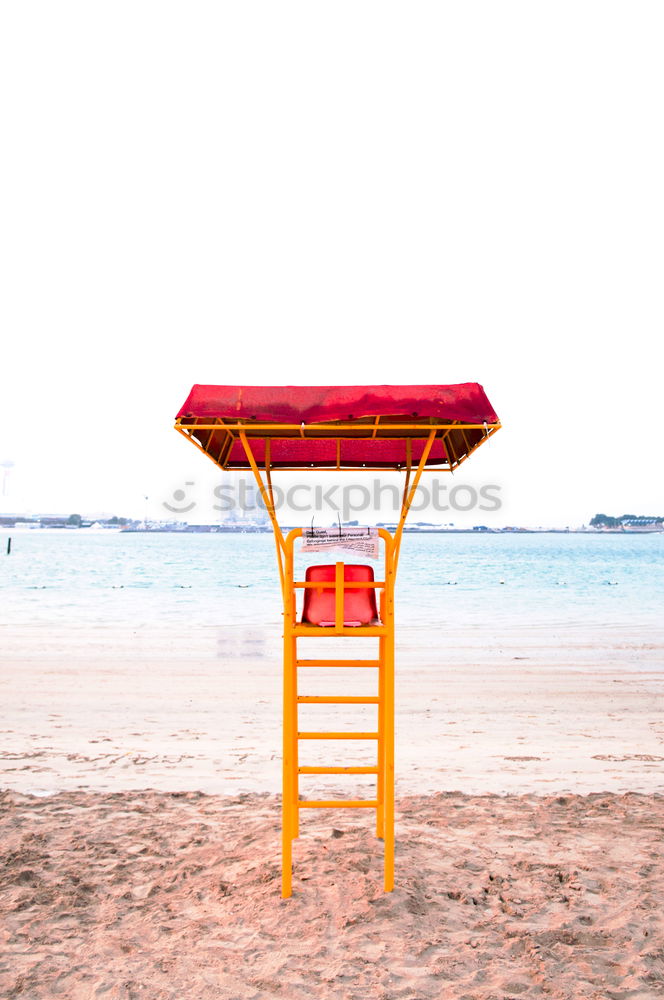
x=411 y=429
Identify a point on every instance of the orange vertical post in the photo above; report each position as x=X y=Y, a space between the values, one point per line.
x=380 y=757
x=388 y=738
x=339 y=595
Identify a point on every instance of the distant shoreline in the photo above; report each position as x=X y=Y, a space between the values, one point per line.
x=204 y=529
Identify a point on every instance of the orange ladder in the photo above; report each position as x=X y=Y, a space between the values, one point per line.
x=384 y=699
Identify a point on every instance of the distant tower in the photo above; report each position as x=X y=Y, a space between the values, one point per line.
x=7 y=465
x=228 y=516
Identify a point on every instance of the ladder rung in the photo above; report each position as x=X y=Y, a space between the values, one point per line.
x=337 y=663
x=329 y=585
x=303 y=629
x=341 y=699
x=338 y=770
x=338 y=804
x=337 y=736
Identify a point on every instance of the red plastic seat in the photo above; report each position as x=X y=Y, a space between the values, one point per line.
x=359 y=603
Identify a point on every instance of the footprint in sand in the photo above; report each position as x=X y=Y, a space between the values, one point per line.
x=628 y=756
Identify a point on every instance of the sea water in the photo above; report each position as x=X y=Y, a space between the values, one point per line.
x=461 y=581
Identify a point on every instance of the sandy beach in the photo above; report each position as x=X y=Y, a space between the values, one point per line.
x=140 y=822
x=146 y=894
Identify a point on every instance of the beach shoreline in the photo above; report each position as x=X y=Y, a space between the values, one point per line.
x=114 y=708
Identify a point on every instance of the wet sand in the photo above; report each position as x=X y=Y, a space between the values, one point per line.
x=106 y=709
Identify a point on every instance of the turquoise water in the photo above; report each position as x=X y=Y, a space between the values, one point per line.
x=71 y=577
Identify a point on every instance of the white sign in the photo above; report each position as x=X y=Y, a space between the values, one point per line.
x=363 y=541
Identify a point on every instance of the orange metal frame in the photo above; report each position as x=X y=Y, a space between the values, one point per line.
x=295 y=630
x=383 y=768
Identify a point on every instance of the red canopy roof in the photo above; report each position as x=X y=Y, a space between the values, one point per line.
x=297 y=404
x=377 y=419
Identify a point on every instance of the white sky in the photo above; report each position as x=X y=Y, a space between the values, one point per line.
x=332 y=193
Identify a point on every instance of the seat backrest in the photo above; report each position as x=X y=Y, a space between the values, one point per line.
x=359 y=604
